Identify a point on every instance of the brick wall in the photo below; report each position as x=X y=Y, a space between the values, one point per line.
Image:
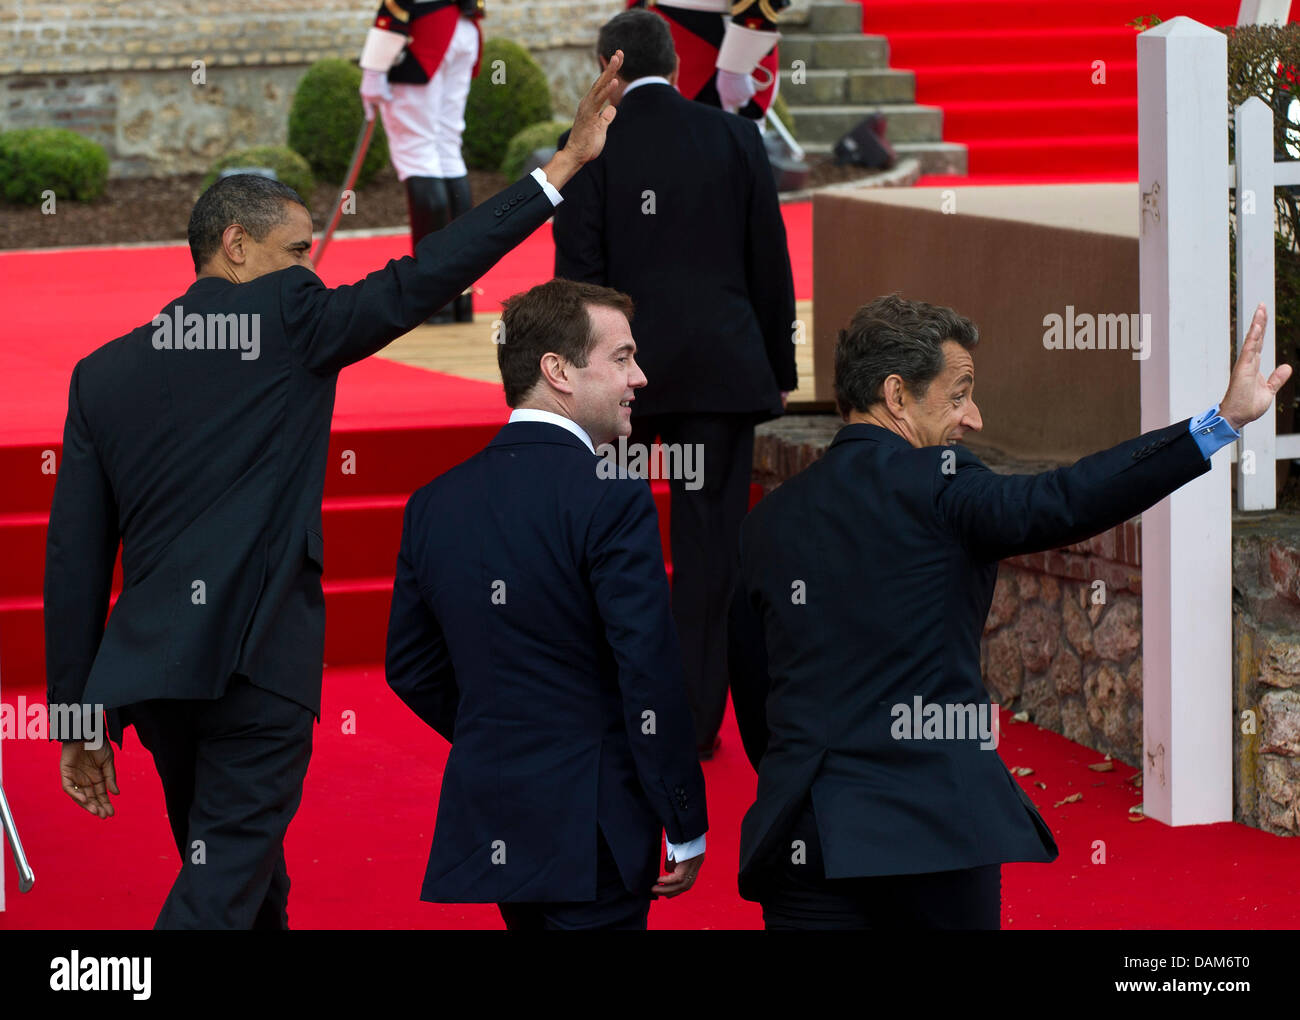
x=125 y=80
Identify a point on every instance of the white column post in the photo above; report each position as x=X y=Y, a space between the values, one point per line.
x=1256 y=477
x=1264 y=12
x=1186 y=539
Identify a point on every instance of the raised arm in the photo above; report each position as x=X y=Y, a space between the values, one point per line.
x=1008 y=515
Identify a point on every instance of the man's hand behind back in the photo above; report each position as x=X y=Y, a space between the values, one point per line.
x=1249 y=393
x=88 y=776
x=681 y=879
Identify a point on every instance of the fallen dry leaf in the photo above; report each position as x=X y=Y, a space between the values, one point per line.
x=1021 y=770
x=1020 y=717
x=1041 y=786
x=1102 y=766
x=1069 y=800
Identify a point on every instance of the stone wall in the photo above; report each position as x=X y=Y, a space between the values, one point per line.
x=1266 y=668
x=102 y=69
x=1063 y=638
x=1063 y=641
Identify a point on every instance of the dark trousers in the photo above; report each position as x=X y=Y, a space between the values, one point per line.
x=704 y=533
x=232 y=772
x=614 y=908
x=796 y=895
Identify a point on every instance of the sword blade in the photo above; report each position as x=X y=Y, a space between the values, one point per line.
x=354 y=169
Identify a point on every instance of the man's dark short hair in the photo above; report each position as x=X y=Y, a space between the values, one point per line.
x=894 y=336
x=646 y=43
x=550 y=318
x=255 y=202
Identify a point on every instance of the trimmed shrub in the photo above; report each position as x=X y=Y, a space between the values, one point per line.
x=33 y=160
x=510 y=93
x=543 y=135
x=289 y=167
x=325 y=120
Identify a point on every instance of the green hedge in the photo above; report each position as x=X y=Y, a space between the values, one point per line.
x=289 y=167
x=510 y=93
x=543 y=135
x=33 y=160
x=326 y=119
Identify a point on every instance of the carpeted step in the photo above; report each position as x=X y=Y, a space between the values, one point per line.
x=920 y=15
x=1064 y=80
x=1082 y=157
x=966 y=121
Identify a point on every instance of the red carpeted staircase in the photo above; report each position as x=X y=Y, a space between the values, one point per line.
x=1015 y=78
x=362 y=516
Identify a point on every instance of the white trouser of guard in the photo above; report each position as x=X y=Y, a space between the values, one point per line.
x=424 y=123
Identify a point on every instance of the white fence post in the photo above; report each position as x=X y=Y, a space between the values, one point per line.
x=1263 y=12
x=1256 y=476
x=1186 y=539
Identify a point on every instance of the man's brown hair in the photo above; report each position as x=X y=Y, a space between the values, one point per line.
x=550 y=318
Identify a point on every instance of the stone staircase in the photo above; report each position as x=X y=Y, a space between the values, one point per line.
x=846 y=77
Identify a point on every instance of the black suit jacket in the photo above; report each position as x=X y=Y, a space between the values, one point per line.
x=209 y=469
x=896 y=551
x=531 y=626
x=708 y=269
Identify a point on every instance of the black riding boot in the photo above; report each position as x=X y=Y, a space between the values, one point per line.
x=461 y=203
x=429 y=210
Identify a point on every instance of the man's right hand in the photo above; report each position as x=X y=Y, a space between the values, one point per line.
x=1249 y=393
x=88 y=776
x=682 y=878
x=374 y=89
x=587 y=138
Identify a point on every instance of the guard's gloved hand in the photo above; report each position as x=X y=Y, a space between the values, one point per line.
x=374 y=89
x=735 y=90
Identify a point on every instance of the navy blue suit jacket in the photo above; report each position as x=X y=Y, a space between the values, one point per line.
x=865 y=583
x=531 y=626
x=207 y=466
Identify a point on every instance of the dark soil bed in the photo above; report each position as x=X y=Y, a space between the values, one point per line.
x=138 y=209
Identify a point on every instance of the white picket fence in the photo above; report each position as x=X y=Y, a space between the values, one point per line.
x=1184 y=177
x=1255 y=176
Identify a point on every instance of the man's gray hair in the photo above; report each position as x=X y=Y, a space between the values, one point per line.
x=894 y=336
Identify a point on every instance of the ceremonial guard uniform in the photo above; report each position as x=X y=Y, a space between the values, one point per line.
x=417 y=63
x=723 y=46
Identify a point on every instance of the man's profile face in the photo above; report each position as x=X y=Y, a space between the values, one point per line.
x=947 y=411
x=286 y=244
x=603 y=391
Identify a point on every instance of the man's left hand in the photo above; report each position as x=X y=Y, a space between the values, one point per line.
x=587 y=138
x=1249 y=394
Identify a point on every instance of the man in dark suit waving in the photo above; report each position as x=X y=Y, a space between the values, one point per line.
x=680 y=212
x=198 y=442
x=865 y=582
x=531 y=627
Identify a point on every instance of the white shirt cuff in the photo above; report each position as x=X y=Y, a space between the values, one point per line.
x=678 y=852
x=540 y=177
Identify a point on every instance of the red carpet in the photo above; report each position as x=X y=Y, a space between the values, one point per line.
x=1015 y=78
x=358 y=847
x=405 y=425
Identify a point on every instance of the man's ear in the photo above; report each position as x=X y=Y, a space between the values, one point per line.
x=894 y=392
x=677 y=66
x=603 y=62
x=555 y=372
x=234 y=240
